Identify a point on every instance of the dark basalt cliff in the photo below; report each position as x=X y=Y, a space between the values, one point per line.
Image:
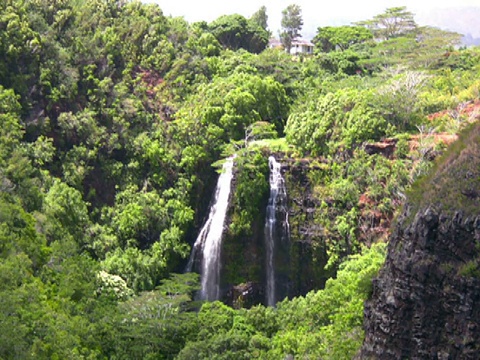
x=426 y=299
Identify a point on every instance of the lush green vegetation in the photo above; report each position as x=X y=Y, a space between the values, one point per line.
x=112 y=117
x=323 y=324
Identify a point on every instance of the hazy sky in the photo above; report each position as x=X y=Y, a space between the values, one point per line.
x=315 y=13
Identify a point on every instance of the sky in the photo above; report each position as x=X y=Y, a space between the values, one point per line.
x=315 y=13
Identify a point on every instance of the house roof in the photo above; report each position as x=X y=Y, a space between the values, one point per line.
x=274 y=42
x=300 y=41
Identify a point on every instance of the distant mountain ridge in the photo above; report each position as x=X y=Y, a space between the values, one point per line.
x=463 y=20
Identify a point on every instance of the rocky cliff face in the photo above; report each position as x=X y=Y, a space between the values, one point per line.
x=426 y=300
x=299 y=258
x=307 y=253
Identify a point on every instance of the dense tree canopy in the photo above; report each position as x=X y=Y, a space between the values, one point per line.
x=236 y=32
x=114 y=118
x=330 y=38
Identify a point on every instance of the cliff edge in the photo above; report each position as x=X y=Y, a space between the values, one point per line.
x=426 y=300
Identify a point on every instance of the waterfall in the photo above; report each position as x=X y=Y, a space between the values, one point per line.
x=210 y=236
x=278 y=195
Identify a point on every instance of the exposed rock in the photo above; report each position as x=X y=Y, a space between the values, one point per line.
x=245 y=295
x=386 y=148
x=307 y=254
x=425 y=301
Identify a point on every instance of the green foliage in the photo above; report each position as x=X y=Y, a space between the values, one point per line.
x=149 y=229
x=112 y=115
x=66 y=214
x=233 y=103
x=330 y=38
x=260 y=18
x=470 y=269
x=235 y=32
x=332 y=329
x=394 y=22
x=292 y=24
x=249 y=196
x=250 y=190
x=11 y=131
x=156 y=324
x=440 y=188
x=335 y=121
x=399 y=100
x=19 y=238
x=346 y=62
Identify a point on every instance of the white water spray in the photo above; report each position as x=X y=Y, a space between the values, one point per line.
x=277 y=189
x=210 y=236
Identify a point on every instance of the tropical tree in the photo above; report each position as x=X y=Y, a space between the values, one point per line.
x=292 y=23
x=330 y=38
x=394 y=22
x=260 y=18
x=236 y=32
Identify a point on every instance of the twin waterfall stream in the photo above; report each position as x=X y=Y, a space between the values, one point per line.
x=210 y=237
x=209 y=240
x=278 y=194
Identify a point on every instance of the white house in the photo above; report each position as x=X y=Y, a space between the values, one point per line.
x=301 y=46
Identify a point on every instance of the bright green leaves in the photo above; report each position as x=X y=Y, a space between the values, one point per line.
x=330 y=38
x=237 y=101
x=17 y=175
x=150 y=229
x=18 y=236
x=251 y=191
x=337 y=121
x=66 y=215
x=19 y=47
x=11 y=132
x=324 y=324
x=239 y=112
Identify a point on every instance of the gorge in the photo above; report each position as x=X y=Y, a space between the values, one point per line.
x=117 y=123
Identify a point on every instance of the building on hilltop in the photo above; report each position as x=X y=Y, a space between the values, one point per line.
x=299 y=46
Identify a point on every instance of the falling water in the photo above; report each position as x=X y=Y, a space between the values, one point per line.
x=210 y=236
x=277 y=194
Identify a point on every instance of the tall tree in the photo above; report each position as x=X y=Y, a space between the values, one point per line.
x=260 y=18
x=235 y=32
x=292 y=23
x=394 y=22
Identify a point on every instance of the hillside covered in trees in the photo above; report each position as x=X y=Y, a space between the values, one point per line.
x=115 y=122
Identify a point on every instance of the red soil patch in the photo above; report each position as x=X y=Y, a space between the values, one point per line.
x=470 y=108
